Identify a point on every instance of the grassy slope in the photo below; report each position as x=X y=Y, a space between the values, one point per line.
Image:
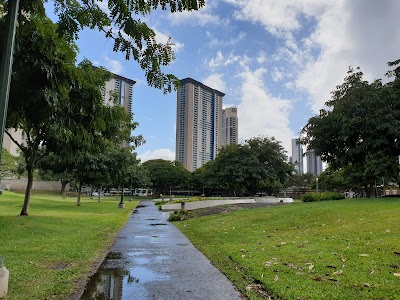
x=294 y=250
x=51 y=249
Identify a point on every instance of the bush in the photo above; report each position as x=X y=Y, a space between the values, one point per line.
x=314 y=197
x=180 y=215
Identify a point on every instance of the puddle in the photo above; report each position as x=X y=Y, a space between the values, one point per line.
x=114 y=255
x=118 y=284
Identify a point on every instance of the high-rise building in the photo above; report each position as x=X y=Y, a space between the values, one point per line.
x=229 y=126
x=297 y=155
x=314 y=163
x=118 y=87
x=198 y=123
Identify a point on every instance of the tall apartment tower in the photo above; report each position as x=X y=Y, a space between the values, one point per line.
x=297 y=155
x=314 y=163
x=122 y=88
x=229 y=126
x=198 y=123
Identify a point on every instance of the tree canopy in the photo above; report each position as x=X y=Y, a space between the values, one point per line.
x=165 y=174
x=259 y=164
x=58 y=105
x=360 y=129
x=123 y=22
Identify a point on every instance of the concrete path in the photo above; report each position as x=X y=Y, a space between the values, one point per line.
x=154 y=260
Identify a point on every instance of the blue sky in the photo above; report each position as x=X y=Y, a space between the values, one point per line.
x=277 y=61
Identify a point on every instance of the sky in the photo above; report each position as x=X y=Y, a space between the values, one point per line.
x=276 y=61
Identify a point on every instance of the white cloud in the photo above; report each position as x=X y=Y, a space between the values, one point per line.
x=215 y=81
x=202 y=17
x=220 y=60
x=218 y=42
x=164 y=39
x=355 y=33
x=261 y=58
x=259 y=112
x=277 y=16
x=277 y=74
x=340 y=34
x=166 y=154
x=114 y=66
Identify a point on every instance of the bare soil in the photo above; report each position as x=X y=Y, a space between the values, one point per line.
x=228 y=208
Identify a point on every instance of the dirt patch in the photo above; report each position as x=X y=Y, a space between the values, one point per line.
x=227 y=208
x=58 y=266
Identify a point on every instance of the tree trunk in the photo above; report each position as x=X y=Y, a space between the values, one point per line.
x=24 y=211
x=91 y=192
x=78 y=201
x=63 y=185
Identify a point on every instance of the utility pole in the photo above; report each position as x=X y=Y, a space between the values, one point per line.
x=6 y=64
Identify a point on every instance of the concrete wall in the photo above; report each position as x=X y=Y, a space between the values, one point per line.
x=20 y=184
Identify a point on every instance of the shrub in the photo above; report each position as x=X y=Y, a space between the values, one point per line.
x=179 y=215
x=314 y=197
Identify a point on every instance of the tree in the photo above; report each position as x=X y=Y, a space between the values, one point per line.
x=10 y=165
x=259 y=164
x=233 y=169
x=165 y=174
x=123 y=23
x=59 y=106
x=360 y=129
x=44 y=64
x=302 y=181
x=272 y=158
x=57 y=167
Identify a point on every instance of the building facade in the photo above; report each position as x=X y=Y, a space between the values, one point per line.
x=119 y=90
x=314 y=163
x=198 y=123
x=297 y=155
x=230 y=125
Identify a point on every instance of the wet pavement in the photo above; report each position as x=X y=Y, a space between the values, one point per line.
x=152 y=259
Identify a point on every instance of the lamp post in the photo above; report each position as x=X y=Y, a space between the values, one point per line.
x=121 y=203
x=316 y=179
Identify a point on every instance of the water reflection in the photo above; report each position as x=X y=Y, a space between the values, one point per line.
x=113 y=282
x=106 y=284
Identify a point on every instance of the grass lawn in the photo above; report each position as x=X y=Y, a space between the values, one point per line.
x=51 y=250
x=346 y=249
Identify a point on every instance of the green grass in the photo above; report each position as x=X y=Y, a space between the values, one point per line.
x=347 y=249
x=53 y=248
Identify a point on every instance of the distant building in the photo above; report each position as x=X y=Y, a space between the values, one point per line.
x=229 y=126
x=314 y=163
x=118 y=86
x=122 y=89
x=297 y=155
x=19 y=136
x=198 y=123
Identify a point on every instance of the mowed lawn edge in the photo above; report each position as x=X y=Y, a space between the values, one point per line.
x=345 y=249
x=50 y=253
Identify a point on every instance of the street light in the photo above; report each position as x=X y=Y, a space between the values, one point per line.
x=121 y=203
x=316 y=179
